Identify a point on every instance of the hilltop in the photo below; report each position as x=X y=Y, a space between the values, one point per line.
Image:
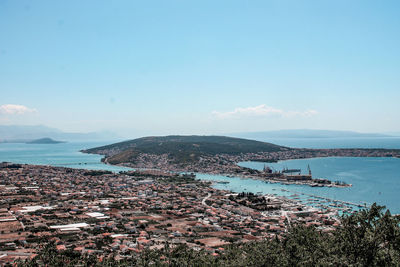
x=181 y=149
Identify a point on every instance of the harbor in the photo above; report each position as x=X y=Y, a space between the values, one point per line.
x=320 y=202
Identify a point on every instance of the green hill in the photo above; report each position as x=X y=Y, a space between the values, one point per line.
x=182 y=148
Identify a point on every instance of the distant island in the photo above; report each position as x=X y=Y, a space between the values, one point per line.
x=25 y=133
x=220 y=155
x=44 y=141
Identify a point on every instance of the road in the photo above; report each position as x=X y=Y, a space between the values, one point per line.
x=204 y=199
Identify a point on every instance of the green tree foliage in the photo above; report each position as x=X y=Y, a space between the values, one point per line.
x=182 y=149
x=370 y=237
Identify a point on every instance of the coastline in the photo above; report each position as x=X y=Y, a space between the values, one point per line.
x=313 y=182
x=354 y=202
x=228 y=164
x=336 y=202
x=339 y=205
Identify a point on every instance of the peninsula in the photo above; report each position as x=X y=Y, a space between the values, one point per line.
x=220 y=155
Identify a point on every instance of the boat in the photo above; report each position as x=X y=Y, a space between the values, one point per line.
x=286 y=170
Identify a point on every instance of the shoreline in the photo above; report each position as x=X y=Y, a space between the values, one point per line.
x=228 y=164
x=314 y=182
x=349 y=204
x=286 y=200
x=220 y=173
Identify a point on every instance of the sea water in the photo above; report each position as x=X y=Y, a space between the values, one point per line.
x=62 y=155
x=373 y=179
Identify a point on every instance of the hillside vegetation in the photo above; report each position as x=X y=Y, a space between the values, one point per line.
x=182 y=148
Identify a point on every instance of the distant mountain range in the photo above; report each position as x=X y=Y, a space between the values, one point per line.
x=26 y=133
x=396 y=134
x=305 y=133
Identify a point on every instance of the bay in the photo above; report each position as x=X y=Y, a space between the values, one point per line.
x=373 y=179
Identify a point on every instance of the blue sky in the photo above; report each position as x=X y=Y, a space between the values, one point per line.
x=200 y=67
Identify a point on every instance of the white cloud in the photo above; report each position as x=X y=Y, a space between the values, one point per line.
x=11 y=109
x=262 y=111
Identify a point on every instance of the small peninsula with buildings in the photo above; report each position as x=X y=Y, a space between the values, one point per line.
x=221 y=155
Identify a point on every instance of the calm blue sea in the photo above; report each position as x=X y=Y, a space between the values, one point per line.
x=63 y=154
x=373 y=179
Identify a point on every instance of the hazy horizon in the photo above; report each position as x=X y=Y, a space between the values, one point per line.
x=31 y=132
x=177 y=67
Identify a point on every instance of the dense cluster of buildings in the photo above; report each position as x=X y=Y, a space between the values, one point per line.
x=122 y=214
